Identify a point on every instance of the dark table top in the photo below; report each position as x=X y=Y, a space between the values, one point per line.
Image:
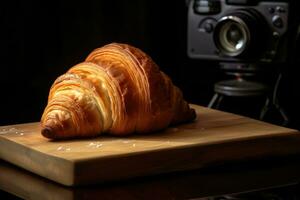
x=272 y=178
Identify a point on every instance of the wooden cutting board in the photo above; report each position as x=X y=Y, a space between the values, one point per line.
x=215 y=137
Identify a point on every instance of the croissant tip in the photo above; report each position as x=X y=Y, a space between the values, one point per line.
x=47 y=132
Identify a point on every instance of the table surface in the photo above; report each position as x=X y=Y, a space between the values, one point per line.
x=256 y=179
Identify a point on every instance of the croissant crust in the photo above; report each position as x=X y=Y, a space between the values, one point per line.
x=118 y=90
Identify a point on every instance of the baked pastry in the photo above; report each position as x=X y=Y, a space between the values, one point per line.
x=117 y=90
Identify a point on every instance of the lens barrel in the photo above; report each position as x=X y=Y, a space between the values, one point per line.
x=240 y=33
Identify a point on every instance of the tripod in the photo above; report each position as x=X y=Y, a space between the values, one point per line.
x=240 y=86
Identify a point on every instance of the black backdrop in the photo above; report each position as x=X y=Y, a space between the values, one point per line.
x=42 y=39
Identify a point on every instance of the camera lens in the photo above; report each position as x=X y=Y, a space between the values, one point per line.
x=237 y=33
x=233 y=37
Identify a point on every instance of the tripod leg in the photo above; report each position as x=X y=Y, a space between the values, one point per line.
x=219 y=101
x=213 y=100
x=283 y=115
x=265 y=109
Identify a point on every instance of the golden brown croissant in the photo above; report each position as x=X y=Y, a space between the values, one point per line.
x=117 y=90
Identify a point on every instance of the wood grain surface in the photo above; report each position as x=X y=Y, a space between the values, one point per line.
x=214 y=137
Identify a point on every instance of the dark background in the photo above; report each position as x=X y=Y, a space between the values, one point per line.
x=42 y=39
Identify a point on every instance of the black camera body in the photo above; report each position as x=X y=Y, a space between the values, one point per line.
x=237 y=30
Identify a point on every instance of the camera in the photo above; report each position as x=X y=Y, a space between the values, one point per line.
x=237 y=30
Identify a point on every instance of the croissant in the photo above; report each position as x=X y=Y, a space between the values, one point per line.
x=117 y=90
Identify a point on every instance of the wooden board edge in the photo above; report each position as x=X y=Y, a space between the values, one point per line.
x=26 y=185
x=182 y=159
x=38 y=162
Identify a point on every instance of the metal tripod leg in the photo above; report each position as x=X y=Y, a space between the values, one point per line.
x=213 y=100
x=265 y=109
x=274 y=104
x=216 y=100
x=283 y=115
